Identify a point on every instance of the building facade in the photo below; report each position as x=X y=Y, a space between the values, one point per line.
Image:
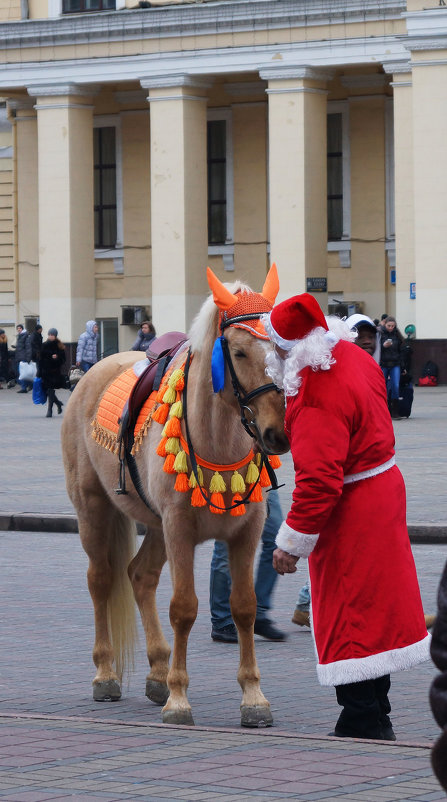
x=140 y=142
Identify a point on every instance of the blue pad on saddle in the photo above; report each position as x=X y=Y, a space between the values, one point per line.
x=218 y=366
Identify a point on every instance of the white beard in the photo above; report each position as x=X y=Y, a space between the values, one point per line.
x=275 y=367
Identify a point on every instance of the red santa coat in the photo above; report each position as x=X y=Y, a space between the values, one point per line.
x=349 y=517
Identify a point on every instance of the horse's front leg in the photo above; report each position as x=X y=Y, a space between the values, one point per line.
x=144 y=573
x=182 y=613
x=255 y=709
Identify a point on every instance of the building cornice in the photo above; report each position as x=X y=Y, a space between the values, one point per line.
x=426 y=30
x=195 y=20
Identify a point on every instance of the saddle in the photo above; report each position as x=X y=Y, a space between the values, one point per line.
x=159 y=355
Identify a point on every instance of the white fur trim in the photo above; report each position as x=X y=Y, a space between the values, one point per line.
x=357 y=477
x=296 y=543
x=286 y=345
x=375 y=665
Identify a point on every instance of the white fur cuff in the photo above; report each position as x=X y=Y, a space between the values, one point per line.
x=293 y=542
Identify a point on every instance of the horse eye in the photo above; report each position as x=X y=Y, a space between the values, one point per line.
x=240 y=355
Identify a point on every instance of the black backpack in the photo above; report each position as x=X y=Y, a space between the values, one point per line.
x=430 y=369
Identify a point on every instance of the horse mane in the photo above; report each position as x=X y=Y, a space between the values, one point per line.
x=203 y=329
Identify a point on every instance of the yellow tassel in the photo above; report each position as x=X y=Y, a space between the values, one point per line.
x=172 y=428
x=217 y=498
x=168 y=466
x=252 y=474
x=169 y=396
x=172 y=446
x=240 y=509
x=181 y=483
x=258 y=459
x=257 y=494
x=161 y=393
x=264 y=480
x=197 y=499
x=237 y=483
x=180 y=464
x=217 y=484
x=275 y=461
x=176 y=410
x=161 y=413
x=175 y=376
x=193 y=480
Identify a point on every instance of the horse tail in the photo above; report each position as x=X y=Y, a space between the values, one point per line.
x=121 y=611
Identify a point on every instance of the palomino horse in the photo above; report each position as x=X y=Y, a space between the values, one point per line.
x=174 y=527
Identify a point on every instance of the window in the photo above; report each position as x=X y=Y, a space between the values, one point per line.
x=220 y=181
x=81 y=6
x=104 y=140
x=108 y=336
x=334 y=176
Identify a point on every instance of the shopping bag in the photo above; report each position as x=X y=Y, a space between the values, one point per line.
x=27 y=371
x=39 y=394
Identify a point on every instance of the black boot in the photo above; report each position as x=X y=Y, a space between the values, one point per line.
x=59 y=405
x=395 y=409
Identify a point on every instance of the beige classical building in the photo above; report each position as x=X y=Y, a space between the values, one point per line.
x=142 y=141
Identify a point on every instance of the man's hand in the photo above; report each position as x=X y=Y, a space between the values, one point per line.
x=283 y=562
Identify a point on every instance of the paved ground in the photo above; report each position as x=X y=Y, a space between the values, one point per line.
x=57 y=744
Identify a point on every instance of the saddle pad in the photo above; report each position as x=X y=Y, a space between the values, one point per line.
x=106 y=422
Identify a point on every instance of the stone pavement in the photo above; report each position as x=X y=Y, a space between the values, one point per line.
x=57 y=744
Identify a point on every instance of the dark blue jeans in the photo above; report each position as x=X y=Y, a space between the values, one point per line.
x=394 y=376
x=266 y=576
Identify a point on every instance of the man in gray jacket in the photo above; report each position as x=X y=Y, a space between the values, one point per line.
x=87 y=350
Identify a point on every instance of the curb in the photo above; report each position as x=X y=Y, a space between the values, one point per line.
x=59 y=523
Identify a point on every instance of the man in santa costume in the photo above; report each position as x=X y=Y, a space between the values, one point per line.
x=348 y=514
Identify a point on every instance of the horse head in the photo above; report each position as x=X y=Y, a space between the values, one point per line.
x=238 y=360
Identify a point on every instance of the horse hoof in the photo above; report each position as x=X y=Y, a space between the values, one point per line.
x=256 y=716
x=178 y=717
x=107 y=691
x=157 y=692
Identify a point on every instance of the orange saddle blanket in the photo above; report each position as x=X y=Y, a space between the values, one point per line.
x=106 y=423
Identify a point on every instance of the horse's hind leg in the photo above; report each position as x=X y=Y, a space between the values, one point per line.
x=255 y=709
x=144 y=573
x=108 y=538
x=183 y=613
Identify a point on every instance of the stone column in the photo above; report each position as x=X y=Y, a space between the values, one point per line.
x=298 y=176
x=66 y=234
x=26 y=217
x=403 y=192
x=179 y=230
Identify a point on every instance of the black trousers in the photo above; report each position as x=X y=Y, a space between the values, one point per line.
x=366 y=708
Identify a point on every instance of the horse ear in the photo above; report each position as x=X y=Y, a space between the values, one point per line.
x=223 y=298
x=271 y=286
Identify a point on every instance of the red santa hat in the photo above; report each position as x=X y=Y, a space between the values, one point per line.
x=293 y=319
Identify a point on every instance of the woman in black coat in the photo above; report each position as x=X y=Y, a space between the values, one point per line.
x=390 y=360
x=4 y=369
x=52 y=359
x=438 y=690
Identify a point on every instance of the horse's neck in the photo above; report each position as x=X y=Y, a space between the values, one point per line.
x=215 y=428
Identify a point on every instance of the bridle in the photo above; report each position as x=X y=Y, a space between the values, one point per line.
x=243 y=399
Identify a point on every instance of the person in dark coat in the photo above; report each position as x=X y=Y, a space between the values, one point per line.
x=36 y=344
x=52 y=360
x=22 y=354
x=145 y=337
x=4 y=371
x=390 y=360
x=438 y=690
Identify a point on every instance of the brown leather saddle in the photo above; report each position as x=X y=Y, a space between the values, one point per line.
x=159 y=354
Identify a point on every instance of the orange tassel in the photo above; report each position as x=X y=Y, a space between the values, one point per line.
x=275 y=461
x=161 y=414
x=168 y=466
x=180 y=384
x=173 y=428
x=264 y=480
x=217 y=498
x=181 y=483
x=197 y=499
x=161 y=448
x=240 y=509
x=257 y=493
x=161 y=393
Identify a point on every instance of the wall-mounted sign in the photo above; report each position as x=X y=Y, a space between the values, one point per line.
x=314 y=284
x=392 y=275
x=412 y=290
